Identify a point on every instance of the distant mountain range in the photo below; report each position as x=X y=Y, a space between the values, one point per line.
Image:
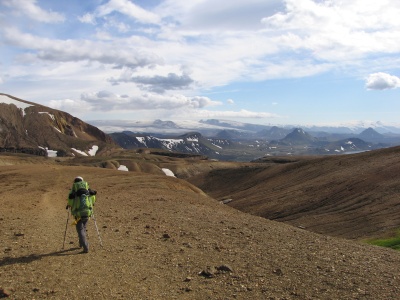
x=33 y=128
x=227 y=140
x=213 y=126
x=236 y=145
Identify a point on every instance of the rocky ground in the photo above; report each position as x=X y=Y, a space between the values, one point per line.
x=165 y=239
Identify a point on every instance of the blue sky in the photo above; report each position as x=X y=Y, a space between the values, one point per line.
x=260 y=61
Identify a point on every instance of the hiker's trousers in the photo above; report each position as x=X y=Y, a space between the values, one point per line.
x=81 y=229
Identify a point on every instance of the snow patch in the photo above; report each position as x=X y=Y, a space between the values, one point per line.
x=94 y=150
x=50 y=153
x=168 y=172
x=49 y=114
x=80 y=152
x=122 y=168
x=141 y=140
x=19 y=104
x=192 y=139
x=217 y=146
x=169 y=143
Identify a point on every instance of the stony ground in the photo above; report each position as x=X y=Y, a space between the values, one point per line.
x=165 y=239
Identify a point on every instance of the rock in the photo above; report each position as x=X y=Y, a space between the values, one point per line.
x=166 y=236
x=226 y=201
x=278 y=272
x=225 y=268
x=188 y=245
x=209 y=272
x=5 y=293
x=187 y=279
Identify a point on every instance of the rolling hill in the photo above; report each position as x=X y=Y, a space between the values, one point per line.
x=163 y=238
x=352 y=196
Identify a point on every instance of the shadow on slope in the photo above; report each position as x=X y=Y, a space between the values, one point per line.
x=352 y=196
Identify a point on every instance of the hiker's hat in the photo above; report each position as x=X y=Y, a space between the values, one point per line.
x=78 y=178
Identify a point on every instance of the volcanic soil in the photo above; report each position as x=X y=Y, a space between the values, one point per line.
x=350 y=196
x=164 y=238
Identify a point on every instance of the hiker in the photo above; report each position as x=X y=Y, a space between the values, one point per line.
x=81 y=200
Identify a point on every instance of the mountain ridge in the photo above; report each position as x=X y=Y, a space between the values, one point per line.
x=27 y=126
x=214 y=125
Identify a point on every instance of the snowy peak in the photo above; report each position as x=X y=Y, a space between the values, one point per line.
x=298 y=136
x=192 y=136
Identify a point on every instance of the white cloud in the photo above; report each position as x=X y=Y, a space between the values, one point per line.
x=305 y=39
x=30 y=9
x=339 y=30
x=80 y=50
x=236 y=15
x=70 y=105
x=190 y=47
x=158 y=83
x=382 y=81
x=88 y=19
x=129 y=9
x=235 y=114
x=105 y=101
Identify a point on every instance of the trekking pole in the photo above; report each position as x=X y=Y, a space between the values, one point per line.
x=65 y=233
x=97 y=229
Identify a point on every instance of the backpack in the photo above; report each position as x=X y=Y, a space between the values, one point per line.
x=85 y=205
x=81 y=200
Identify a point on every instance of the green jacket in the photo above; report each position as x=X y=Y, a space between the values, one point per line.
x=81 y=200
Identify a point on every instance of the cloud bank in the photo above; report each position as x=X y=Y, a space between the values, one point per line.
x=104 y=101
x=159 y=55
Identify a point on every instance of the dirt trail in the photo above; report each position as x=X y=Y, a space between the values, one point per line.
x=160 y=233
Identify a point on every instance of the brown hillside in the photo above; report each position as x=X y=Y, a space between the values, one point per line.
x=162 y=239
x=37 y=127
x=352 y=196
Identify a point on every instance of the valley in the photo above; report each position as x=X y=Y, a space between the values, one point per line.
x=165 y=238
x=194 y=218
